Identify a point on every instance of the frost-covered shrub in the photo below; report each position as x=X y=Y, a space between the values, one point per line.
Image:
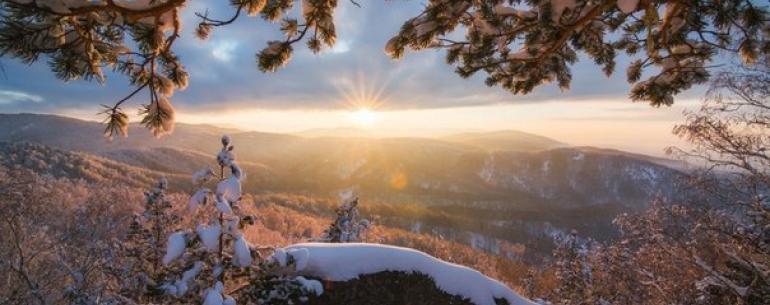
x=573 y=271
x=347 y=226
x=58 y=239
x=144 y=261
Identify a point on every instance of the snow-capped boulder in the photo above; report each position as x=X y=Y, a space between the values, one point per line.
x=348 y=261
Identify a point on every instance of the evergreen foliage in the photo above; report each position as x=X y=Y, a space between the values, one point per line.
x=519 y=45
x=212 y=264
x=347 y=227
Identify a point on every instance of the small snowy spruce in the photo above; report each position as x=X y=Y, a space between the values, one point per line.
x=347 y=227
x=212 y=263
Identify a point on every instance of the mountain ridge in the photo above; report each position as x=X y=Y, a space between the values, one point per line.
x=483 y=195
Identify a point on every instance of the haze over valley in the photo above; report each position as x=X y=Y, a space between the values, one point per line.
x=489 y=190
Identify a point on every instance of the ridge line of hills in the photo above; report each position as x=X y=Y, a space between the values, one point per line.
x=478 y=190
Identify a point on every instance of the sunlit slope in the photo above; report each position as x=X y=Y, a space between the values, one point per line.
x=505 y=140
x=484 y=170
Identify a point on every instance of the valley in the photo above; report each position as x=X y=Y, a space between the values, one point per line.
x=507 y=193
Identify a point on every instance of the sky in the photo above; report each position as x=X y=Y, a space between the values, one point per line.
x=356 y=85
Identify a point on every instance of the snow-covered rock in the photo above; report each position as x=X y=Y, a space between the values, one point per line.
x=343 y=262
x=299 y=256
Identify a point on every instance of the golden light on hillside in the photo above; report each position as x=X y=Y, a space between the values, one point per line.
x=398 y=181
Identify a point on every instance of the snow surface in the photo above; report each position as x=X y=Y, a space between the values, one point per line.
x=222 y=205
x=225 y=157
x=242 y=253
x=311 y=285
x=505 y=11
x=343 y=262
x=209 y=236
x=197 y=199
x=175 y=246
x=202 y=176
x=229 y=301
x=230 y=189
x=180 y=287
x=301 y=257
x=214 y=295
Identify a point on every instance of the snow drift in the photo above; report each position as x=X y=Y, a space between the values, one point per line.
x=343 y=262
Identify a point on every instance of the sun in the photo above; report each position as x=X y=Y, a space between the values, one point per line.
x=364 y=117
x=362 y=96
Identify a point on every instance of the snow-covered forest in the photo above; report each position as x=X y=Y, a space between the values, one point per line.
x=108 y=213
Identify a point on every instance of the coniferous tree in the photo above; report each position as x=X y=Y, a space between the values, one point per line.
x=519 y=45
x=347 y=227
x=212 y=264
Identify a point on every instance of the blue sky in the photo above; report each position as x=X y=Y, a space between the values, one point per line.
x=223 y=70
x=224 y=79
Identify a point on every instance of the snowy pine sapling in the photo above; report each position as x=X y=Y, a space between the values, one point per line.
x=347 y=227
x=215 y=263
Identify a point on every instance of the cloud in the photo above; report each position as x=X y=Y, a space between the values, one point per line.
x=11 y=97
x=341 y=46
x=223 y=51
x=224 y=74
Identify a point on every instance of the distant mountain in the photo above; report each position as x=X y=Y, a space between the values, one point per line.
x=508 y=168
x=86 y=136
x=59 y=163
x=339 y=132
x=474 y=187
x=507 y=140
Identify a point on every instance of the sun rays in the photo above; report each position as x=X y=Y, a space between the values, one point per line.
x=362 y=96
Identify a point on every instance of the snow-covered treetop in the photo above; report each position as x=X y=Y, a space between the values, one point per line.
x=519 y=45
